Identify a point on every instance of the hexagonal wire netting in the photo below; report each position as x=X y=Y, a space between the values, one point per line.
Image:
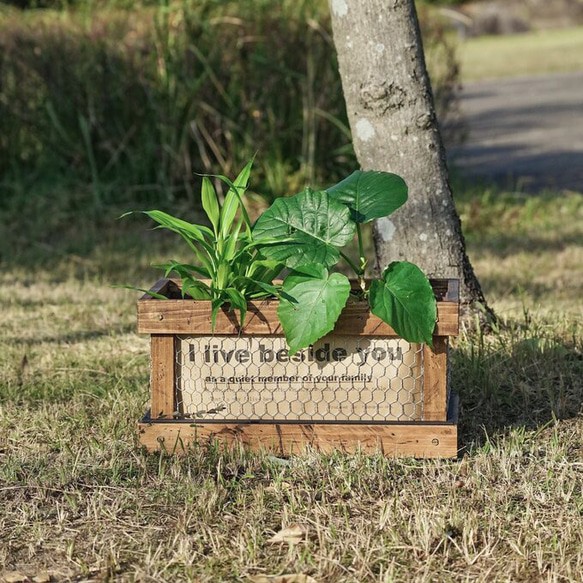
x=341 y=378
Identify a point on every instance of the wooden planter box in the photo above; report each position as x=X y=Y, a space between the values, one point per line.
x=360 y=387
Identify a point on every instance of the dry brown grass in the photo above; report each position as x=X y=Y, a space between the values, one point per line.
x=80 y=501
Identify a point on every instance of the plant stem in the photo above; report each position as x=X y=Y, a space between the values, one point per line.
x=349 y=261
x=363 y=260
x=360 y=242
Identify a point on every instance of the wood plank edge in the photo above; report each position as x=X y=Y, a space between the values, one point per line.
x=435 y=440
x=159 y=288
x=451 y=293
x=151 y=313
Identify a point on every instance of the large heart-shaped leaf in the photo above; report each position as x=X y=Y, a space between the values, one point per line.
x=318 y=301
x=313 y=226
x=404 y=299
x=370 y=195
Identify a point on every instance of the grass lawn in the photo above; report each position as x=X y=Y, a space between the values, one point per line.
x=80 y=501
x=533 y=53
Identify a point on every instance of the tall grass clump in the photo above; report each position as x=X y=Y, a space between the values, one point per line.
x=126 y=101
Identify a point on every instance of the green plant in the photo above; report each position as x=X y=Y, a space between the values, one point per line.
x=304 y=233
x=228 y=255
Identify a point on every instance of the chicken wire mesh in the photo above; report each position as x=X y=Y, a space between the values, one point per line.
x=227 y=378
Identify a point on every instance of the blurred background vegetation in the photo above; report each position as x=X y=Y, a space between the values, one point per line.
x=113 y=103
x=109 y=105
x=133 y=101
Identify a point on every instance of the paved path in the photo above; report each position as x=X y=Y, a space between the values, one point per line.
x=527 y=131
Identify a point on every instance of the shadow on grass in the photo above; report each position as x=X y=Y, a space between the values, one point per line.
x=522 y=376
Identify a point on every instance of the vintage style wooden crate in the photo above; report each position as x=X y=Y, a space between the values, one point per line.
x=359 y=387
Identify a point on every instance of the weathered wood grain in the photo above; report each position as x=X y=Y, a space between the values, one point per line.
x=435 y=380
x=162 y=358
x=160 y=287
x=445 y=290
x=164 y=319
x=396 y=440
x=194 y=317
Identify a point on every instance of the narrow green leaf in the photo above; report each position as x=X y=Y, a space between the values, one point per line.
x=261 y=265
x=404 y=299
x=313 y=224
x=247 y=285
x=181 y=268
x=216 y=306
x=145 y=291
x=223 y=273
x=267 y=287
x=318 y=301
x=209 y=248
x=232 y=201
x=238 y=302
x=210 y=203
x=167 y=221
x=209 y=265
x=264 y=270
x=237 y=194
x=231 y=240
x=196 y=289
x=370 y=195
x=188 y=232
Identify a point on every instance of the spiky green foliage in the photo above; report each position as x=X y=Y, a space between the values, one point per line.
x=231 y=268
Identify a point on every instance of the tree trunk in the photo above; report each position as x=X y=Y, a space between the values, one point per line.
x=392 y=116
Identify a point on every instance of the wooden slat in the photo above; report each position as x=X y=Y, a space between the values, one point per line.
x=160 y=287
x=445 y=290
x=177 y=316
x=194 y=317
x=162 y=375
x=423 y=441
x=435 y=380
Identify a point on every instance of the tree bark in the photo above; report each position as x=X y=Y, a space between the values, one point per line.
x=392 y=117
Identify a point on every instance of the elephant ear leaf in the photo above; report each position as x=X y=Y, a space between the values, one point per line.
x=316 y=300
x=370 y=195
x=311 y=227
x=404 y=299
